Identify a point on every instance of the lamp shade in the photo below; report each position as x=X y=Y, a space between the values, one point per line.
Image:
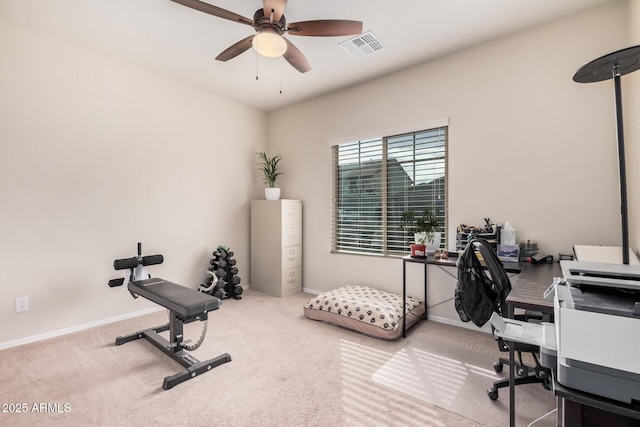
x=269 y=43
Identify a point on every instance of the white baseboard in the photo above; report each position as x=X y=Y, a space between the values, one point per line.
x=65 y=331
x=72 y=329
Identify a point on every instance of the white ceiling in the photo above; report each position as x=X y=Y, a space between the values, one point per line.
x=181 y=43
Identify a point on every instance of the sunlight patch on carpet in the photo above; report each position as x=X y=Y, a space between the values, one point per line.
x=427 y=376
x=358 y=362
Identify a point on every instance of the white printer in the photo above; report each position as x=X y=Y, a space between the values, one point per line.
x=597 y=329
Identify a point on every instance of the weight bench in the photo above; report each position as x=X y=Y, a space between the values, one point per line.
x=185 y=305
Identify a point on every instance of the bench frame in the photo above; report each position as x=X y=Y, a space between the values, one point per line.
x=173 y=347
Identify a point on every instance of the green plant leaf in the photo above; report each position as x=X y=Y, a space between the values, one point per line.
x=269 y=167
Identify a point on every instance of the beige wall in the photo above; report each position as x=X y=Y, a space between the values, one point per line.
x=96 y=156
x=631 y=96
x=527 y=145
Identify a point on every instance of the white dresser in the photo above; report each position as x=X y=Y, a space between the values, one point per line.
x=276 y=246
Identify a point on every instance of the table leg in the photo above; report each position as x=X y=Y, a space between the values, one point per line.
x=425 y=291
x=404 y=299
x=512 y=379
x=559 y=412
x=512 y=388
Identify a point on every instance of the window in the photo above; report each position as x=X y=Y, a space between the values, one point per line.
x=376 y=180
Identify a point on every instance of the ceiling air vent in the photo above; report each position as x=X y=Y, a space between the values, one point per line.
x=363 y=44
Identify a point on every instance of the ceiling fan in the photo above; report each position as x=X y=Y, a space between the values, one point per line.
x=270 y=24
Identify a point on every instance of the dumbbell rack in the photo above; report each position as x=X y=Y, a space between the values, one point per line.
x=222 y=280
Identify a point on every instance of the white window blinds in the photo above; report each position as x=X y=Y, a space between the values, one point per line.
x=375 y=181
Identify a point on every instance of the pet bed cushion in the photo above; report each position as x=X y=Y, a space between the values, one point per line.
x=364 y=309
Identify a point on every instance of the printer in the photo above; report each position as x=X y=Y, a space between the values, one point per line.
x=597 y=329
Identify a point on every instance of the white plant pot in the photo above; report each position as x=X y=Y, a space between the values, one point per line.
x=272 y=193
x=432 y=246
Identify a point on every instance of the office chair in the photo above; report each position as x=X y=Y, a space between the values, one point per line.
x=502 y=285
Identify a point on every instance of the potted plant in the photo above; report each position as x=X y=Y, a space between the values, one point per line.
x=269 y=167
x=424 y=228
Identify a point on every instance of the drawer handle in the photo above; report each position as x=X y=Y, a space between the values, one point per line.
x=291 y=259
x=292 y=273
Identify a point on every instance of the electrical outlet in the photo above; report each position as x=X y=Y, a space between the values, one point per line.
x=22 y=304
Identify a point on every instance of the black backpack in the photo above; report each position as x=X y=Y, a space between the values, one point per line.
x=477 y=296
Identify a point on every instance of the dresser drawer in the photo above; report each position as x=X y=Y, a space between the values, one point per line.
x=291 y=279
x=291 y=234
x=291 y=256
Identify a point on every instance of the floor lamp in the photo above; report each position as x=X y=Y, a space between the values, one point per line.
x=613 y=66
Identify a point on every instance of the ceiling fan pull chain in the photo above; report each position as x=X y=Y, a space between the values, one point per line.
x=256 y=66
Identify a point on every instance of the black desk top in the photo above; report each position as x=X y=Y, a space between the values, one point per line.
x=527 y=292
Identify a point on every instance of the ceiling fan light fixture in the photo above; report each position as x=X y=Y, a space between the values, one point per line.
x=269 y=43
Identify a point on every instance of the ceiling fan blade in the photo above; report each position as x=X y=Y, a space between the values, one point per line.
x=325 y=28
x=296 y=58
x=236 y=49
x=277 y=6
x=215 y=11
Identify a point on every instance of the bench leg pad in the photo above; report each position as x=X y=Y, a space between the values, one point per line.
x=195 y=370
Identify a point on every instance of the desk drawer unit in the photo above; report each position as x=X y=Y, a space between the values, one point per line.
x=276 y=246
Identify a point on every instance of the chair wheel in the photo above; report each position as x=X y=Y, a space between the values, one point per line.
x=492 y=393
x=522 y=371
x=498 y=367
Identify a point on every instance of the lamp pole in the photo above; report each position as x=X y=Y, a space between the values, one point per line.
x=615 y=65
x=622 y=166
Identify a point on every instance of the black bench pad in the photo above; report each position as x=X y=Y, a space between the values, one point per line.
x=184 y=301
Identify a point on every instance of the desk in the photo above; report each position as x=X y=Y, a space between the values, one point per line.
x=510 y=267
x=527 y=293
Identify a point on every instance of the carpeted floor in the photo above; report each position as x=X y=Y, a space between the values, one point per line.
x=285 y=371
